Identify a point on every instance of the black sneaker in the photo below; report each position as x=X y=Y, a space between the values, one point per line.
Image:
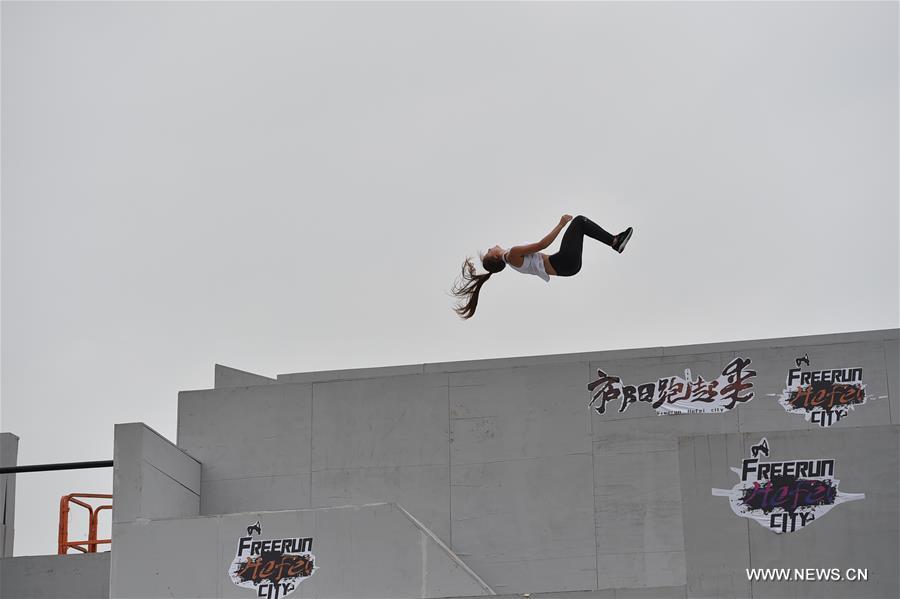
x=622 y=239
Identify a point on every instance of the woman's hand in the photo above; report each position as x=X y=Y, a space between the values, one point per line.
x=565 y=219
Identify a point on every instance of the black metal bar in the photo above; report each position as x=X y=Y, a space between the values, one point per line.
x=63 y=466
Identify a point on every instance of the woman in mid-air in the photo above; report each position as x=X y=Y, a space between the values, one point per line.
x=528 y=259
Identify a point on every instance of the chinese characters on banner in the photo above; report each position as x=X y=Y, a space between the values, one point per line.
x=677 y=395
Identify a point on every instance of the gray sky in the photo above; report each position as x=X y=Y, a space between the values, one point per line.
x=291 y=187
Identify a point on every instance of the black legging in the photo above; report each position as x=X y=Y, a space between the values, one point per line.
x=567 y=261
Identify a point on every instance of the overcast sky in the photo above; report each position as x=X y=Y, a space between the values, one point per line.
x=292 y=187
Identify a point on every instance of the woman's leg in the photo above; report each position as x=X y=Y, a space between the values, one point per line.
x=595 y=231
x=567 y=261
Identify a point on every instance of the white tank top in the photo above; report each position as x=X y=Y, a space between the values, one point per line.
x=532 y=265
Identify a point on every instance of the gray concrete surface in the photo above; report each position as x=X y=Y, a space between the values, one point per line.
x=9 y=451
x=505 y=462
x=375 y=551
x=253 y=444
x=232 y=377
x=768 y=415
x=510 y=479
x=858 y=534
x=521 y=477
x=75 y=576
x=645 y=593
x=152 y=478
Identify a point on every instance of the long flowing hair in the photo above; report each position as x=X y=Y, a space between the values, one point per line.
x=469 y=285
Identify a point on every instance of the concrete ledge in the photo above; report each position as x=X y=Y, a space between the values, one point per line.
x=370 y=551
x=232 y=377
x=606 y=356
x=677 y=592
x=350 y=374
x=152 y=478
x=455 y=558
x=9 y=451
x=73 y=576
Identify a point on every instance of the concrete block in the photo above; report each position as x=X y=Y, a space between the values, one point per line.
x=247 y=432
x=55 y=576
x=856 y=534
x=163 y=497
x=391 y=422
x=351 y=546
x=350 y=374
x=233 y=495
x=441 y=582
x=538 y=574
x=166 y=558
x=9 y=452
x=716 y=542
x=892 y=366
x=638 y=505
x=675 y=592
x=375 y=551
x=422 y=490
x=652 y=432
x=517 y=413
x=232 y=377
x=864 y=533
x=127 y=486
x=164 y=456
x=151 y=477
x=505 y=461
x=9 y=449
x=813 y=340
x=765 y=413
x=604 y=594
x=526 y=525
x=628 y=570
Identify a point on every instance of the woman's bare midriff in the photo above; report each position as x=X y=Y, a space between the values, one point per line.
x=547 y=266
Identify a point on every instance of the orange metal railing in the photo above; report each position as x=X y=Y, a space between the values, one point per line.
x=90 y=545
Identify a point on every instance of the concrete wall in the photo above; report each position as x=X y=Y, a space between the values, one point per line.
x=855 y=534
x=152 y=478
x=253 y=444
x=644 y=593
x=504 y=460
x=9 y=451
x=369 y=551
x=73 y=576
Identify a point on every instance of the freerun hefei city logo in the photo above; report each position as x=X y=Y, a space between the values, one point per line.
x=823 y=397
x=784 y=496
x=272 y=567
x=677 y=395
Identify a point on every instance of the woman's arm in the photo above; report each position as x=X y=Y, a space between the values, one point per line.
x=531 y=248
